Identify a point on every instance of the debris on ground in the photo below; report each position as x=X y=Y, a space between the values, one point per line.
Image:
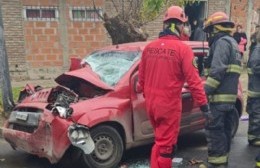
x=2 y=160
x=123 y=166
x=177 y=160
x=194 y=162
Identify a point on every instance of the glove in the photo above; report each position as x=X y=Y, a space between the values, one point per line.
x=207 y=113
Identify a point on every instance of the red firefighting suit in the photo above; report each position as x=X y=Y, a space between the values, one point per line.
x=165 y=65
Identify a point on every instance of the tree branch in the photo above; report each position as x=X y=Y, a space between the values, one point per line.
x=95 y=8
x=130 y=6
x=123 y=8
x=114 y=5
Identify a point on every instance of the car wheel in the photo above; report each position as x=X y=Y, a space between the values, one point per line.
x=235 y=123
x=108 y=148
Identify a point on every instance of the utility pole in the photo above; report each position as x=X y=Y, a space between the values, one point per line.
x=7 y=95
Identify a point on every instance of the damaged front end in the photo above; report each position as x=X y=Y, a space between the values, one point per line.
x=80 y=137
x=42 y=123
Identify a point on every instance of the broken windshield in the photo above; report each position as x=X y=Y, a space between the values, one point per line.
x=111 y=65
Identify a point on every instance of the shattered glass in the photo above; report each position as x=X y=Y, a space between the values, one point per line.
x=111 y=65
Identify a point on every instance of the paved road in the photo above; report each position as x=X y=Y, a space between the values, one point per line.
x=192 y=146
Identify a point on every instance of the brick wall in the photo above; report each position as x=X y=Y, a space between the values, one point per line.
x=153 y=28
x=85 y=36
x=41 y=49
x=256 y=4
x=42 y=44
x=217 y=5
x=48 y=45
x=239 y=12
x=14 y=38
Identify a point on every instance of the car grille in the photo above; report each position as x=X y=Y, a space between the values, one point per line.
x=24 y=121
x=22 y=128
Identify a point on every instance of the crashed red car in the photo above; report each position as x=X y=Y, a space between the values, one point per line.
x=94 y=113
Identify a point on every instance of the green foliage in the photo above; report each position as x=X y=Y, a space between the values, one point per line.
x=15 y=91
x=185 y=2
x=152 y=8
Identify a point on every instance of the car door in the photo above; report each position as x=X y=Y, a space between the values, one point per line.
x=141 y=125
x=196 y=117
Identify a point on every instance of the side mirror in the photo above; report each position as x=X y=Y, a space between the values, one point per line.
x=75 y=63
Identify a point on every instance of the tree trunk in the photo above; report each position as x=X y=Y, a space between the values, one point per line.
x=123 y=31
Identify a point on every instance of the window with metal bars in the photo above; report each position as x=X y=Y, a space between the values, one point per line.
x=85 y=14
x=38 y=13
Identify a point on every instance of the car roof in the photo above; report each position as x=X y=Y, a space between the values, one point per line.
x=141 y=45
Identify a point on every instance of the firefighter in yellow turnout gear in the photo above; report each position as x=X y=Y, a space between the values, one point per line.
x=223 y=68
x=253 y=97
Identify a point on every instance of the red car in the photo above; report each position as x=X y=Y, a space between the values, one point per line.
x=94 y=113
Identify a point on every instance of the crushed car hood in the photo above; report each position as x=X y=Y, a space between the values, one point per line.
x=85 y=74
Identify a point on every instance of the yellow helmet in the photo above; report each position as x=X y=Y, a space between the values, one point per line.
x=218 y=18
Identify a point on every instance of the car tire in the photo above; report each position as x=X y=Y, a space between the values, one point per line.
x=235 y=124
x=108 y=150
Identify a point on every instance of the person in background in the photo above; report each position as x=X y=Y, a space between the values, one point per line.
x=166 y=64
x=241 y=38
x=198 y=34
x=185 y=36
x=222 y=69
x=253 y=100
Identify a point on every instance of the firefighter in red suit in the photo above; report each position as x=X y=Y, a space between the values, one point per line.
x=165 y=65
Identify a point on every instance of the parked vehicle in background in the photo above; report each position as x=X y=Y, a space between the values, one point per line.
x=98 y=96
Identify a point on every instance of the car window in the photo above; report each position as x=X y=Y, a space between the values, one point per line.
x=111 y=65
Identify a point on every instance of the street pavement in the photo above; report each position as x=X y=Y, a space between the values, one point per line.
x=191 y=146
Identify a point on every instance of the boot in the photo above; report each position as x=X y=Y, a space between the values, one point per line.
x=255 y=142
x=210 y=165
x=257 y=159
